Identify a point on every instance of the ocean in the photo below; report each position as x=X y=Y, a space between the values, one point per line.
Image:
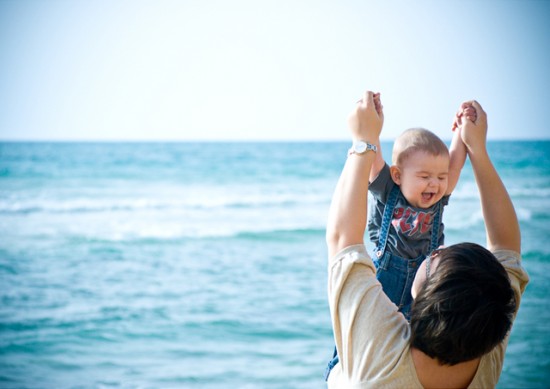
x=204 y=265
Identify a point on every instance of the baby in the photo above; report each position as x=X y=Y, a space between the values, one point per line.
x=405 y=218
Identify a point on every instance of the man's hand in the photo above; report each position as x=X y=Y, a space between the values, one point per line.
x=474 y=132
x=466 y=111
x=366 y=120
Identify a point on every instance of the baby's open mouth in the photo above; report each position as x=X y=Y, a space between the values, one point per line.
x=427 y=196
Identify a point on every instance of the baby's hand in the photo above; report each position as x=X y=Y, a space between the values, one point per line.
x=466 y=110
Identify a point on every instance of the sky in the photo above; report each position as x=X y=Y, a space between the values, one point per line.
x=268 y=70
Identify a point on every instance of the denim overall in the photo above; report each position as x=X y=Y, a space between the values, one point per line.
x=396 y=274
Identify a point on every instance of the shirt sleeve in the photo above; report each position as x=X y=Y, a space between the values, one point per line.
x=490 y=367
x=371 y=335
x=381 y=186
x=517 y=274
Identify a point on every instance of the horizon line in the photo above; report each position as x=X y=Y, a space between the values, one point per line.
x=228 y=140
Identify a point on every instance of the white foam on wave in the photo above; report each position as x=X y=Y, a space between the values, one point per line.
x=530 y=192
x=164 y=197
x=524 y=214
x=167 y=224
x=465 y=190
x=202 y=211
x=534 y=190
x=79 y=205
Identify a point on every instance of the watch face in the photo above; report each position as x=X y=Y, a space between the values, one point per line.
x=360 y=147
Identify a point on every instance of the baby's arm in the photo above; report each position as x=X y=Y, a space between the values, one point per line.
x=379 y=162
x=457 y=151
x=457 y=154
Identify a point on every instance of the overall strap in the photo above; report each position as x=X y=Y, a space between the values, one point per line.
x=386 y=221
x=436 y=225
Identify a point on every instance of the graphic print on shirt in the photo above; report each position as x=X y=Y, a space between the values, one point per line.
x=410 y=222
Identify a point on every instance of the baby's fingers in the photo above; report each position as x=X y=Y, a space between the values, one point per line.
x=457 y=121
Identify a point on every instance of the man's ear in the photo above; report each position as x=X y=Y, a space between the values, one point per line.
x=395 y=174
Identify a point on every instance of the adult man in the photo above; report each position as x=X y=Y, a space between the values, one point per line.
x=466 y=297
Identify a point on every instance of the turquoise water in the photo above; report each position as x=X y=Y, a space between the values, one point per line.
x=203 y=265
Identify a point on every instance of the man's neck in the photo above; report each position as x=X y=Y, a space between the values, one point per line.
x=431 y=374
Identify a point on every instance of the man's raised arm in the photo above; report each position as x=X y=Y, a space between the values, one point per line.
x=501 y=222
x=348 y=210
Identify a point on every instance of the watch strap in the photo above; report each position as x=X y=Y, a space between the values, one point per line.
x=369 y=147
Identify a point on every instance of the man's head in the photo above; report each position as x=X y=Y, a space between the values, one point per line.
x=464 y=307
x=420 y=166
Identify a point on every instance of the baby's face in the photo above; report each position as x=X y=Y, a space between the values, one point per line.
x=423 y=178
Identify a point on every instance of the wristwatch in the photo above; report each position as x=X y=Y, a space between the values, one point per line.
x=360 y=147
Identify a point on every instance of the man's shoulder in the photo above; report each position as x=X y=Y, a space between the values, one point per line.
x=353 y=252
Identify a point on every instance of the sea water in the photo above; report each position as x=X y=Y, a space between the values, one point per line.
x=204 y=265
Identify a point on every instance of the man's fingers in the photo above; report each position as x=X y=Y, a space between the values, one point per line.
x=477 y=106
x=368 y=97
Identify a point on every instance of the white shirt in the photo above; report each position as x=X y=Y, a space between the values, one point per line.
x=372 y=337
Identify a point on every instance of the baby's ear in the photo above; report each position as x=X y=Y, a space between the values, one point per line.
x=395 y=174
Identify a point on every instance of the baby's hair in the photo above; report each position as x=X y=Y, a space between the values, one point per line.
x=417 y=139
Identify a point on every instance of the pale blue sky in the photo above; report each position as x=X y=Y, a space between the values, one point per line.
x=282 y=69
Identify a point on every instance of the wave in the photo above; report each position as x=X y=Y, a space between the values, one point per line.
x=84 y=205
x=527 y=192
x=290 y=234
x=157 y=235
x=78 y=206
x=468 y=190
